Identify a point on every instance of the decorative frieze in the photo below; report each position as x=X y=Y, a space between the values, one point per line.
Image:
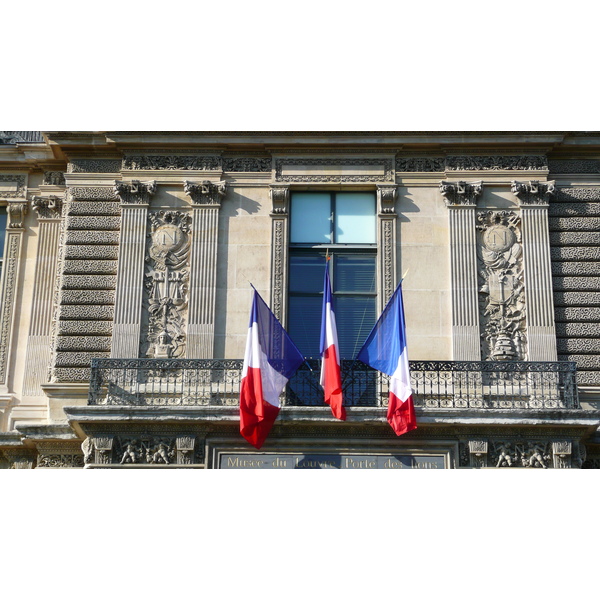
x=60 y=461
x=166 y=285
x=172 y=163
x=54 y=178
x=334 y=170
x=94 y=165
x=135 y=192
x=501 y=286
x=569 y=167
x=420 y=165
x=578 y=224
x=12 y=186
x=89 y=344
x=247 y=165
x=496 y=163
x=205 y=192
x=533 y=193
x=574 y=283
x=461 y=193
x=47 y=207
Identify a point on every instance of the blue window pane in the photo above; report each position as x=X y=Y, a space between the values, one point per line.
x=306 y=273
x=354 y=273
x=355 y=219
x=355 y=317
x=2 y=228
x=310 y=219
x=304 y=323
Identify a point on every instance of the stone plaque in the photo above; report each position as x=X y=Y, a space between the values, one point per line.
x=282 y=460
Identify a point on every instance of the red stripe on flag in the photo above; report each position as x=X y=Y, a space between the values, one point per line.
x=401 y=415
x=256 y=415
x=332 y=384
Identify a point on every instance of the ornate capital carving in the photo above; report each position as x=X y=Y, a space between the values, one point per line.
x=386 y=198
x=47 y=207
x=561 y=454
x=135 y=192
x=205 y=192
x=478 y=451
x=533 y=193
x=280 y=198
x=16 y=214
x=460 y=193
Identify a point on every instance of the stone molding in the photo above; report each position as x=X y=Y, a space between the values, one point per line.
x=461 y=193
x=135 y=191
x=386 y=165
x=533 y=193
x=206 y=192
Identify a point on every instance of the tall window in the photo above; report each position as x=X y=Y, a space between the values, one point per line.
x=345 y=225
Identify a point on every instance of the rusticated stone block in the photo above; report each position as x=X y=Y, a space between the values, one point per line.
x=85 y=328
x=574 y=223
x=577 y=299
x=95 y=165
x=94 y=223
x=72 y=312
x=578 y=345
x=574 y=283
x=69 y=374
x=88 y=343
x=574 y=209
x=101 y=267
x=81 y=251
x=588 y=378
x=92 y=237
x=572 y=253
x=583 y=313
x=89 y=282
x=587 y=269
x=588 y=362
x=577 y=194
x=87 y=297
x=93 y=193
x=575 y=238
x=84 y=208
x=78 y=359
x=576 y=330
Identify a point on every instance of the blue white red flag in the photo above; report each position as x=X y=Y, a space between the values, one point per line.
x=331 y=378
x=385 y=350
x=271 y=359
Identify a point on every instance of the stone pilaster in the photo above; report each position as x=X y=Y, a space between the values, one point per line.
x=541 y=332
x=461 y=200
x=39 y=352
x=12 y=264
x=135 y=198
x=206 y=202
x=386 y=227
x=280 y=238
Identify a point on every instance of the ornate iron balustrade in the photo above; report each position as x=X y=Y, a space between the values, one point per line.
x=435 y=384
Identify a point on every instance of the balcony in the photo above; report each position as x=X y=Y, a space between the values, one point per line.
x=518 y=386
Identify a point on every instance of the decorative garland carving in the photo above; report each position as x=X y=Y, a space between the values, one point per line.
x=54 y=178
x=502 y=293
x=386 y=164
x=205 y=192
x=19 y=180
x=47 y=207
x=135 y=192
x=461 y=193
x=533 y=193
x=171 y=163
x=166 y=284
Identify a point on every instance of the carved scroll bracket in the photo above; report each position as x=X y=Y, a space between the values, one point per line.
x=135 y=192
x=533 y=193
x=461 y=193
x=280 y=199
x=386 y=199
x=16 y=209
x=206 y=192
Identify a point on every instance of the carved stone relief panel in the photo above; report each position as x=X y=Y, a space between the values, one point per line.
x=501 y=287
x=166 y=285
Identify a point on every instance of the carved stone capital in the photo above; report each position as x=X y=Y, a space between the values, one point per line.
x=386 y=198
x=280 y=198
x=103 y=445
x=461 y=193
x=20 y=458
x=16 y=209
x=478 y=452
x=561 y=454
x=135 y=192
x=205 y=192
x=47 y=207
x=533 y=193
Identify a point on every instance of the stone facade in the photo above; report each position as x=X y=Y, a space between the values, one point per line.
x=138 y=257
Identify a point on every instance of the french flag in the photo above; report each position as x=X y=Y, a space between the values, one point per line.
x=331 y=379
x=385 y=350
x=270 y=360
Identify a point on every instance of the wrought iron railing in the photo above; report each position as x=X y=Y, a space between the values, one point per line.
x=435 y=384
